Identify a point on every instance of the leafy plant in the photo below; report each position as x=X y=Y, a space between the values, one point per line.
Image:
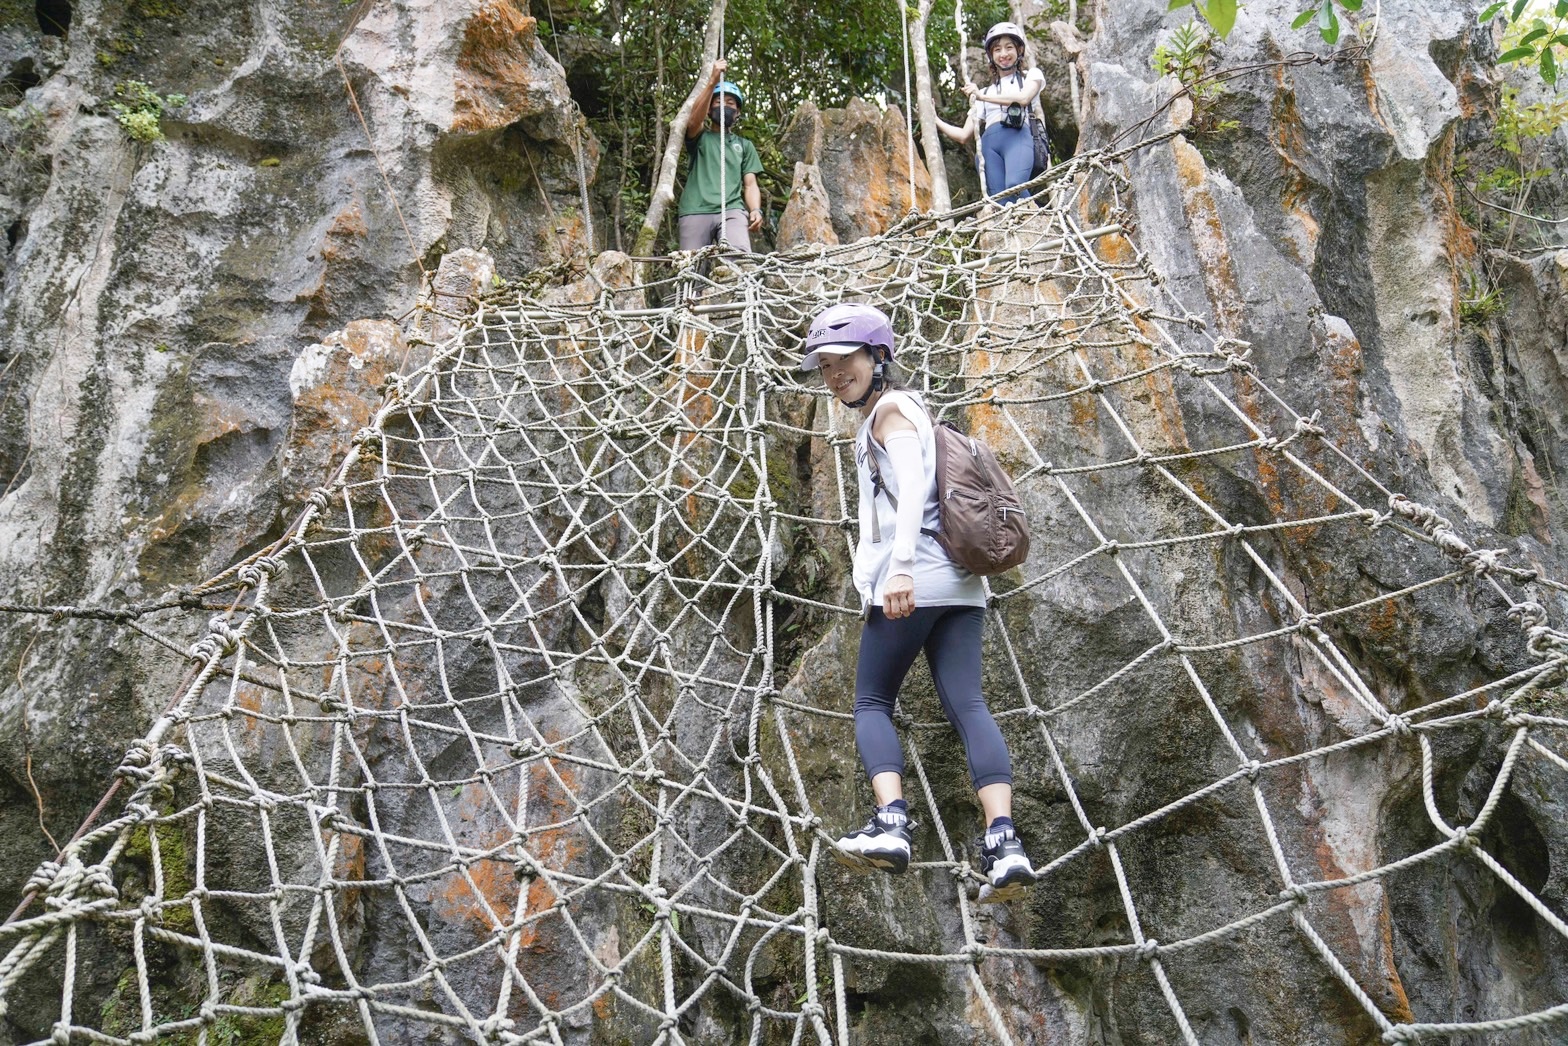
x=1186 y=55
x=1220 y=14
x=1326 y=17
x=139 y=108
x=1531 y=39
x=1520 y=139
x=1479 y=303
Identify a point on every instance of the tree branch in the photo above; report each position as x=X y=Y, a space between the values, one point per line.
x=663 y=191
x=930 y=141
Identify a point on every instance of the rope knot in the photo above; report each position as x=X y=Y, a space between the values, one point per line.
x=137 y=763
x=1462 y=837
x=1482 y=561
x=1399 y=724
x=320 y=499
x=1295 y=892
x=219 y=642
x=813 y=1009
x=523 y=749
x=1527 y=615
x=1251 y=768
x=1310 y=426
x=42 y=878
x=1097 y=837
x=1149 y=950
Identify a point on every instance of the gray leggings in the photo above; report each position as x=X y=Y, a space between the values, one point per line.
x=951 y=639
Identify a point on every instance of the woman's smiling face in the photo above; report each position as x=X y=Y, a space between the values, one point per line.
x=1004 y=53
x=847 y=377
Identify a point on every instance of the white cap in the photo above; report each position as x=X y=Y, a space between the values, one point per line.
x=841 y=348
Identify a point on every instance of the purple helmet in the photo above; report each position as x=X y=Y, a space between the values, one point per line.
x=999 y=30
x=841 y=329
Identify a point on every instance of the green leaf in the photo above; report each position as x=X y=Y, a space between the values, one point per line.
x=1489 y=13
x=1308 y=15
x=1519 y=6
x=1533 y=35
x=1516 y=53
x=1222 y=16
x=1328 y=22
x=1178 y=4
x=1548 y=67
x=1562 y=9
x=1350 y=5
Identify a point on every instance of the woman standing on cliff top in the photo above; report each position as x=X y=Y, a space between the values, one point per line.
x=915 y=598
x=1000 y=111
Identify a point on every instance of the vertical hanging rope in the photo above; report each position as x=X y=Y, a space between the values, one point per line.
x=386 y=180
x=963 y=68
x=578 y=122
x=909 y=113
x=724 y=149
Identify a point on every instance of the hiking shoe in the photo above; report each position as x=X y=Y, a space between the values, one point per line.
x=1006 y=867
x=884 y=844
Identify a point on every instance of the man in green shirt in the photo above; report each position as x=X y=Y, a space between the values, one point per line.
x=720 y=161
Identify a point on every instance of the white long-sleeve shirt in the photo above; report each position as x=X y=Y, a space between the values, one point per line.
x=938 y=580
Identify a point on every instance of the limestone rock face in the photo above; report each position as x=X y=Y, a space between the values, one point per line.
x=159 y=297
x=808 y=217
x=193 y=331
x=863 y=159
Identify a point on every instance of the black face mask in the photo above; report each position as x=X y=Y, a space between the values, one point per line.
x=724 y=116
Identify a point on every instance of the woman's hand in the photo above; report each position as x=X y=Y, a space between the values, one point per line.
x=898 y=596
x=971 y=90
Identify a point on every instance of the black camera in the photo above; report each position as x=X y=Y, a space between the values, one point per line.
x=1014 y=117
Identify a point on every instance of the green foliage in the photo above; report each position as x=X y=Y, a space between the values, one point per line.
x=1509 y=166
x=1186 y=55
x=23 y=136
x=1479 y=302
x=138 y=108
x=636 y=63
x=1220 y=14
x=1536 y=33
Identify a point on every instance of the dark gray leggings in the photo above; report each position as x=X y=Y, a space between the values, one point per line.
x=951 y=639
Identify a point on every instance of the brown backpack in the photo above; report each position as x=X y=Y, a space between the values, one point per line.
x=981 y=522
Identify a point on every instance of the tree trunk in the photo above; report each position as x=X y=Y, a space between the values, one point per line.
x=663 y=193
x=930 y=138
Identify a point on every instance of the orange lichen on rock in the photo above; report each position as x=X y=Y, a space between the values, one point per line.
x=486 y=896
x=495 y=69
x=1209 y=240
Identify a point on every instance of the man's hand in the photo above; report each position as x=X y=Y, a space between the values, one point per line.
x=754 y=220
x=720 y=67
x=898 y=596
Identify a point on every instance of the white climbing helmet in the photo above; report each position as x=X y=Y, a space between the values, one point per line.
x=1002 y=29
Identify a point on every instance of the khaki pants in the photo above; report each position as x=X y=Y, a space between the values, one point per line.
x=697 y=231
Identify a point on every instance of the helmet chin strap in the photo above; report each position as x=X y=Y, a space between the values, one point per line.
x=876 y=385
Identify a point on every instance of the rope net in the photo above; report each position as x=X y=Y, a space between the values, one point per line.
x=538 y=719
